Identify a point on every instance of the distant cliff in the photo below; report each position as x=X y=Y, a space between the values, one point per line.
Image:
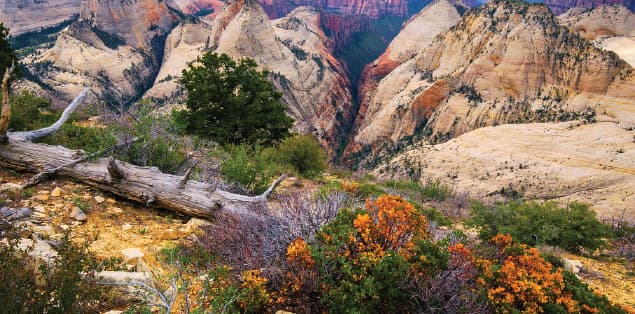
x=561 y=6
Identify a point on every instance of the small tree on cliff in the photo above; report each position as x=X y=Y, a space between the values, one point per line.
x=7 y=54
x=232 y=102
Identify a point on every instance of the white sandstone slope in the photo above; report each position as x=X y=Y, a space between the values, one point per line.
x=565 y=162
x=22 y=16
x=610 y=27
x=505 y=62
x=113 y=48
x=422 y=28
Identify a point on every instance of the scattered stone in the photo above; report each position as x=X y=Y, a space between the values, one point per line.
x=43 y=229
x=15 y=214
x=121 y=277
x=110 y=201
x=115 y=210
x=11 y=188
x=131 y=255
x=194 y=224
x=78 y=214
x=42 y=197
x=126 y=227
x=57 y=192
x=39 y=209
x=571 y=265
x=65 y=227
x=283 y=312
x=113 y=312
x=99 y=199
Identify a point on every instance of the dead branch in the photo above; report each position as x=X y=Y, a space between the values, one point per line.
x=32 y=135
x=145 y=185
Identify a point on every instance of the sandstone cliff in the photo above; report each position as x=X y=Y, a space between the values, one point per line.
x=439 y=16
x=610 y=27
x=115 y=48
x=294 y=49
x=561 y=6
x=138 y=23
x=505 y=62
x=23 y=16
x=370 y=8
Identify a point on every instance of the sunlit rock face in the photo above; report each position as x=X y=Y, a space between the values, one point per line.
x=504 y=62
x=22 y=16
x=294 y=49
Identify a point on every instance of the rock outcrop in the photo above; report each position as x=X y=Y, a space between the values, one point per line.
x=561 y=6
x=294 y=49
x=139 y=24
x=505 y=62
x=22 y=16
x=610 y=27
x=370 y=8
x=116 y=48
x=439 y=16
x=565 y=162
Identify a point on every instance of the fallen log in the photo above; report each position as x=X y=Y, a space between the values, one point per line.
x=146 y=185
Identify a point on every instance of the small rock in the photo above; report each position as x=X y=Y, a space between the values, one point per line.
x=39 y=209
x=115 y=210
x=42 y=197
x=110 y=201
x=57 y=192
x=43 y=192
x=194 y=224
x=571 y=265
x=65 y=227
x=11 y=188
x=126 y=227
x=78 y=214
x=99 y=199
x=132 y=254
x=113 y=312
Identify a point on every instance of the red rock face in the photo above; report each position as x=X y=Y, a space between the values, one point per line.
x=340 y=28
x=369 y=8
x=561 y=6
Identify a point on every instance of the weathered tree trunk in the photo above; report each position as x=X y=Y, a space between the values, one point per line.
x=5 y=107
x=142 y=184
x=146 y=185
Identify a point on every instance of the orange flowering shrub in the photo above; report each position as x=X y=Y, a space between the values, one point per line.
x=519 y=279
x=362 y=258
x=254 y=297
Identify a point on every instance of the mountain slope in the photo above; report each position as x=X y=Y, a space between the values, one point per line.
x=115 y=48
x=505 y=62
x=22 y=16
x=294 y=49
x=561 y=6
x=611 y=27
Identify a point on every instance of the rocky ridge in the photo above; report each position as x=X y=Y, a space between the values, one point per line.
x=294 y=49
x=610 y=27
x=505 y=62
x=32 y=15
x=561 y=6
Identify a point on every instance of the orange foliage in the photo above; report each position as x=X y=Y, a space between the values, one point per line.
x=256 y=294
x=521 y=279
x=391 y=224
x=350 y=187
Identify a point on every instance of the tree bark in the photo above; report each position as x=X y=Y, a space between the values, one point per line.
x=146 y=185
